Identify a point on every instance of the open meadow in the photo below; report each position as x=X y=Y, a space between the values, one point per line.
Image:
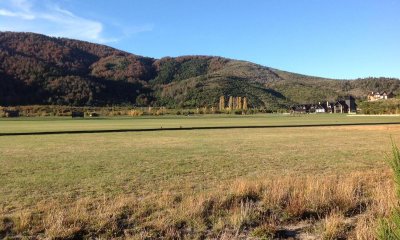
x=46 y=124
x=222 y=184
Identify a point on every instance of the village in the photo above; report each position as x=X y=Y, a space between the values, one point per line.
x=343 y=105
x=346 y=105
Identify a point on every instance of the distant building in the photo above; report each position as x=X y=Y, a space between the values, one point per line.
x=351 y=104
x=321 y=108
x=341 y=107
x=346 y=105
x=304 y=108
x=375 y=96
x=324 y=107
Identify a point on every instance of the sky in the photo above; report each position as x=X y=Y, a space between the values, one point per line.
x=343 y=39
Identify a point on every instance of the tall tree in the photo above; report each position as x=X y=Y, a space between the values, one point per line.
x=245 y=103
x=230 y=103
x=221 y=103
x=239 y=103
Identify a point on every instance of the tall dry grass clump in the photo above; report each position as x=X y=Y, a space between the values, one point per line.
x=389 y=228
x=336 y=205
x=334 y=226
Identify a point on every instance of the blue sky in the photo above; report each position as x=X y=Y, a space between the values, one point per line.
x=332 y=38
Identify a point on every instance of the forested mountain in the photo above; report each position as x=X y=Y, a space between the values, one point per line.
x=36 y=69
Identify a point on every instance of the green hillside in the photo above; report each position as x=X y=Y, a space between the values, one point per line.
x=36 y=69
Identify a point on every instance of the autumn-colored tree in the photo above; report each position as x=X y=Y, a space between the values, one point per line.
x=239 y=103
x=221 y=103
x=230 y=103
x=245 y=103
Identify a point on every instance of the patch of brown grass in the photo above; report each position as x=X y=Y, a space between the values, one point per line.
x=334 y=226
x=344 y=207
x=365 y=227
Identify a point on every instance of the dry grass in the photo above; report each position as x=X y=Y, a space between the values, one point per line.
x=366 y=225
x=36 y=168
x=334 y=226
x=232 y=184
x=346 y=207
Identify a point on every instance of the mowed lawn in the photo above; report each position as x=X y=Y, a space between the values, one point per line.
x=170 y=121
x=68 y=167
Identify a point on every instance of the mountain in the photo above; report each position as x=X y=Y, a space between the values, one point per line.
x=36 y=69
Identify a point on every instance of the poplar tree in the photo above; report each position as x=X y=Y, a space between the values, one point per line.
x=245 y=103
x=221 y=103
x=239 y=103
x=235 y=102
x=230 y=103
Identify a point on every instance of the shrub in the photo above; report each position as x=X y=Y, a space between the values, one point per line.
x=238 y=112
x=135 y=112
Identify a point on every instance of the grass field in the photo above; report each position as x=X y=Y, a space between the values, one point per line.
x=67 y=124
x=60 y=170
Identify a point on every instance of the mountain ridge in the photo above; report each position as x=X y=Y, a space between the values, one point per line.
x=37 y=69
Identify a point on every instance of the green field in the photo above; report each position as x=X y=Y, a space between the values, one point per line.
x=67 y=124
x=38 y=167
x=66 y=168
